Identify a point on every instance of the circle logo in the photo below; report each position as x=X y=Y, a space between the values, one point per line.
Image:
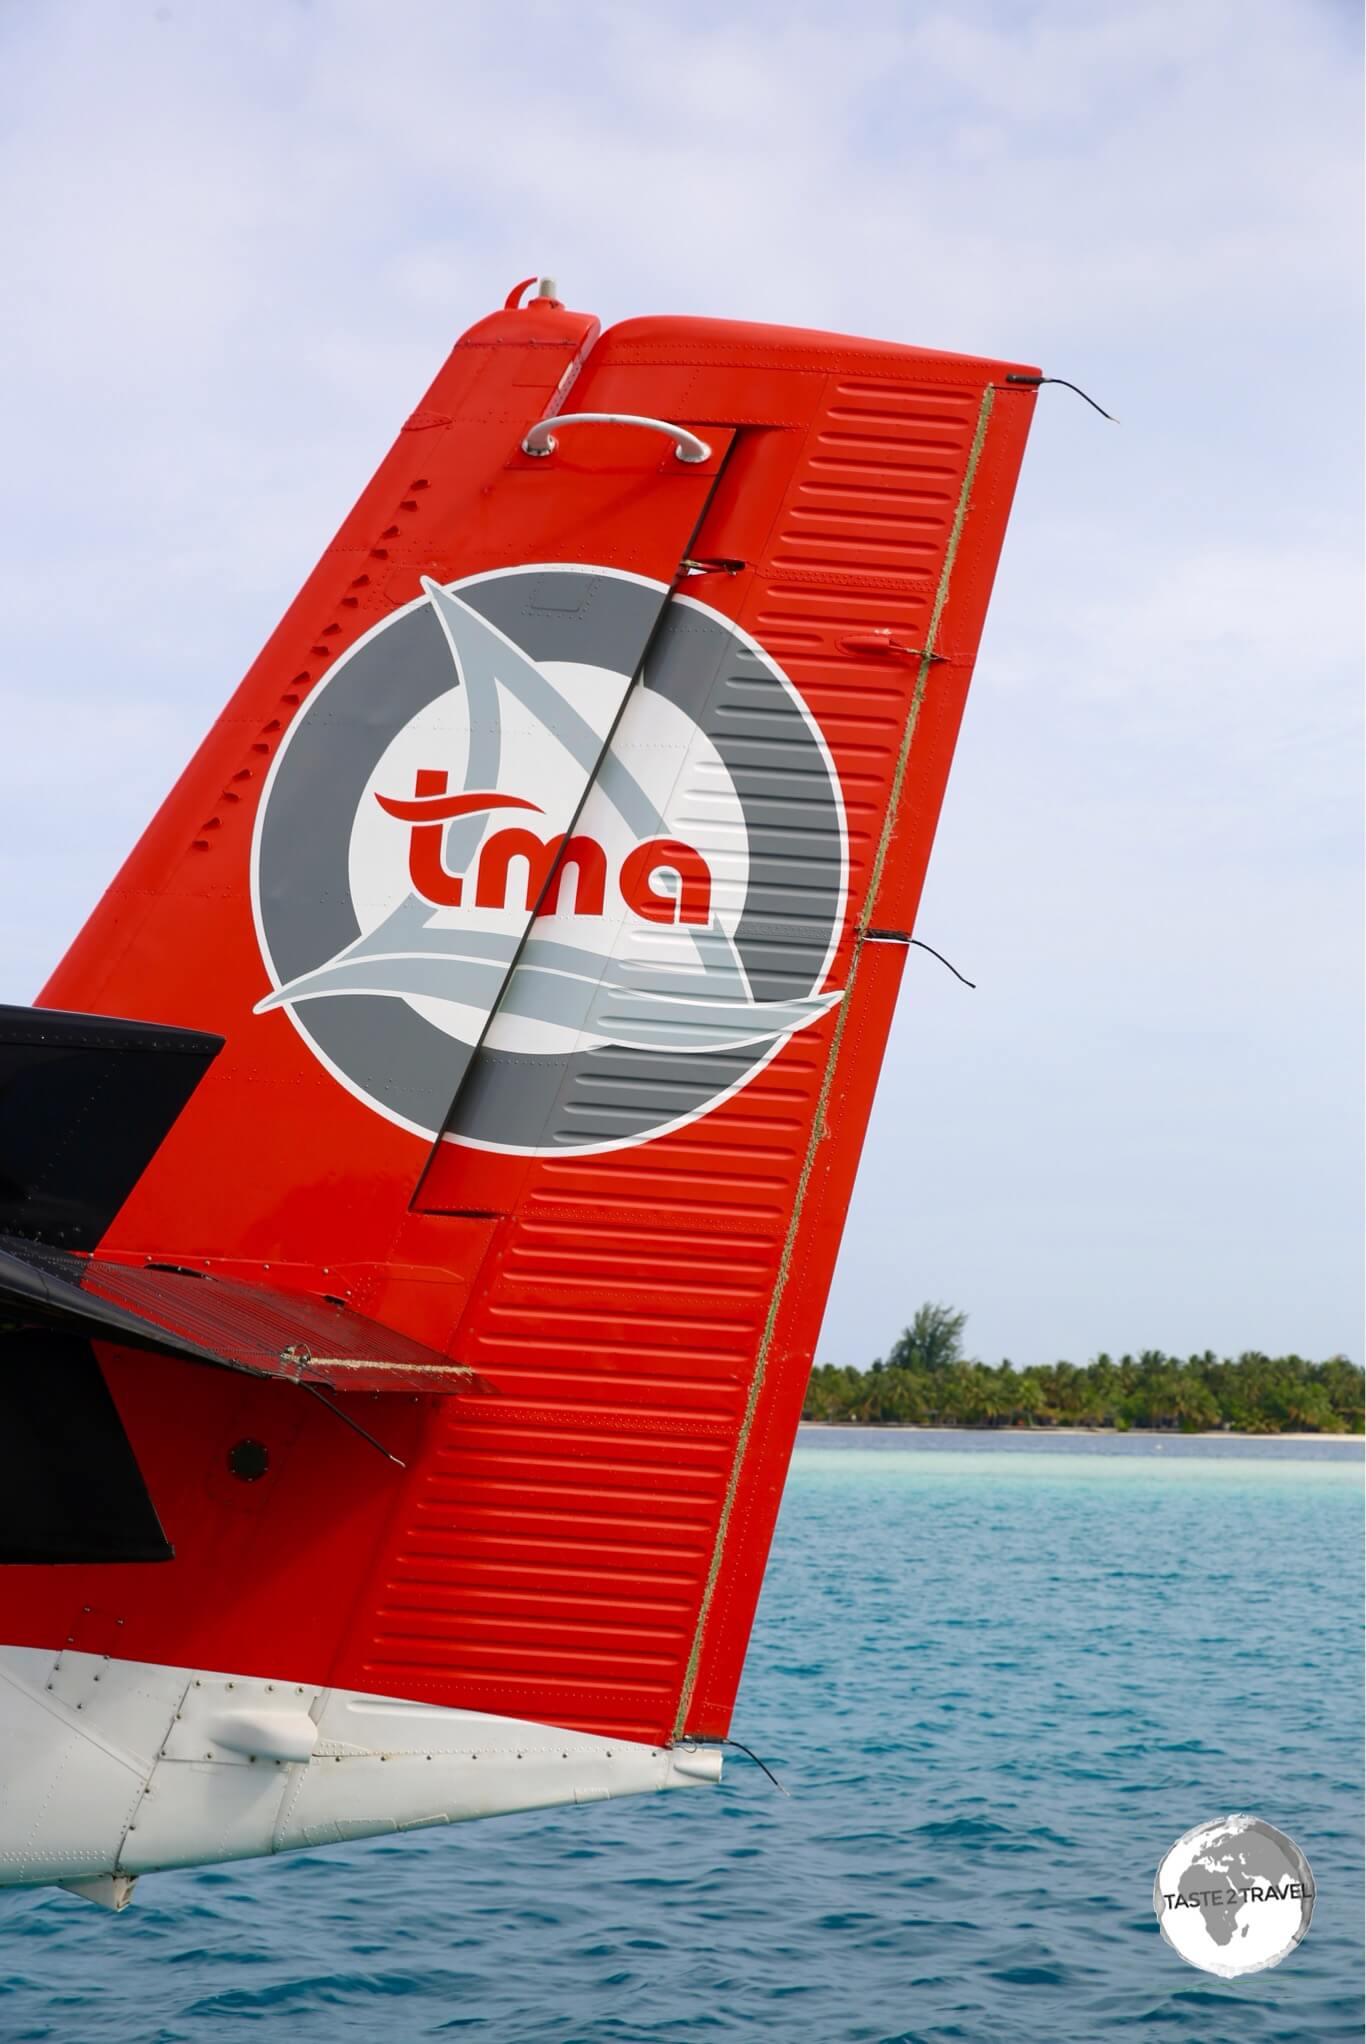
x=552 y=859
x=1234 y=1896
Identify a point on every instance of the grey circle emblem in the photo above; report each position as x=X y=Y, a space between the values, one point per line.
x=389 y=1051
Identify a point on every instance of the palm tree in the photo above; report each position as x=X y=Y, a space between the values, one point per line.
x=933 y=1341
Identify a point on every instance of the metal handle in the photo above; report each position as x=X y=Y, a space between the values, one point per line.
x=541 y=439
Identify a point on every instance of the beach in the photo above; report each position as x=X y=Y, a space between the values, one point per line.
x=840 y=1426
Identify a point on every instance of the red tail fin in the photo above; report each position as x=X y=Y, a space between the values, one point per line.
x=548 y=880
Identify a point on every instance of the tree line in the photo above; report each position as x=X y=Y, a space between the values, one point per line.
x=927 y=1380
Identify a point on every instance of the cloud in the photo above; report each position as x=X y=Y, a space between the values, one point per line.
x=241 y=240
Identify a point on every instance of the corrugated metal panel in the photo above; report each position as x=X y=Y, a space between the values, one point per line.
x=628 y=1306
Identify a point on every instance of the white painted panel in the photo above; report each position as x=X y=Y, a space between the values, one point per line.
x=118 y=1767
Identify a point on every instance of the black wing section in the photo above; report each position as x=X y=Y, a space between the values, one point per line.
x=85 y=1101
x=70 y=1486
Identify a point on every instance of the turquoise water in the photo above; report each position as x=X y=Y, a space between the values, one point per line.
x=999 y=1679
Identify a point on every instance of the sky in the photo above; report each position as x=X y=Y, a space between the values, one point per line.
x=238 y=241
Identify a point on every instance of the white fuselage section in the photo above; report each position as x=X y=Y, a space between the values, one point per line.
x=110 y=1769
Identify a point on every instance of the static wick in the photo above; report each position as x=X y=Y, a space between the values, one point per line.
x=761 y=1764
x=921 y=945
x=1035 y=381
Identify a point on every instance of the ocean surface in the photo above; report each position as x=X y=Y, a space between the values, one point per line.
x=999 y=1677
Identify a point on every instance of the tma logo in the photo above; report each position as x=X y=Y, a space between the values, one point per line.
x=501 y=864
x=547 y=863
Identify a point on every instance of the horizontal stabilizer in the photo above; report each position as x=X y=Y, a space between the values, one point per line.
x=70 y=1486
x=203 y=1319
x=85 y=1101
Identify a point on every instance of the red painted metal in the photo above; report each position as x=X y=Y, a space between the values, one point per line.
x=583 y=1541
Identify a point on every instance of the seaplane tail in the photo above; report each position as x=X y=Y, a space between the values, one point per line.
x=420 y=1182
